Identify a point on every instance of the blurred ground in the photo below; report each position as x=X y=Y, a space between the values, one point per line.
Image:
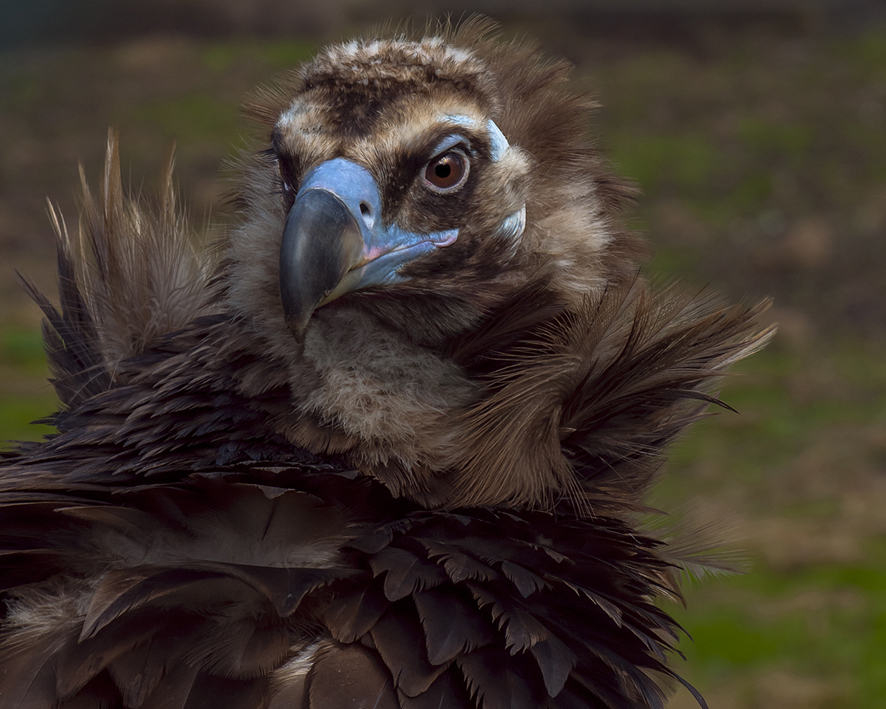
x=761 y=150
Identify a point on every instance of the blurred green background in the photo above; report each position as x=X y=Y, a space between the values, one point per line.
x=759 y=139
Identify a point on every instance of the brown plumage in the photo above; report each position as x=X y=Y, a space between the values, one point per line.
x=388 y=449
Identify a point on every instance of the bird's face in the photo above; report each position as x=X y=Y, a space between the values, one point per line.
x=382 y=215
x=393 y=183
x=423 y=185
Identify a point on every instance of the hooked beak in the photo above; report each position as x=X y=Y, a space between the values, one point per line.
x=334 y=241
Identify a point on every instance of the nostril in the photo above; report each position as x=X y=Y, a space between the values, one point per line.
x=366 y=212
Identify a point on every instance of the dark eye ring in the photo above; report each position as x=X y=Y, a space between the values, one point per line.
x=447 y=171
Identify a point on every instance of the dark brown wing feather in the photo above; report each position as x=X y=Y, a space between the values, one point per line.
x=476 y=606
x=205 y=576
x=302 y=580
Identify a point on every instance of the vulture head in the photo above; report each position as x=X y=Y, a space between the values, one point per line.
x=424 y=182
x=414 y=195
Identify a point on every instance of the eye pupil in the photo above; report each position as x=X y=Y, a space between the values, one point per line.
x=447 y=171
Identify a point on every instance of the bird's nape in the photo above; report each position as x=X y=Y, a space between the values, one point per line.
x=387 y=450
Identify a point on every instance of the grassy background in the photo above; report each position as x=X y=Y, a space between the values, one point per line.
x=762 y=156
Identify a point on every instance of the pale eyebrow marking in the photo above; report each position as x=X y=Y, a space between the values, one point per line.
x=498 y=143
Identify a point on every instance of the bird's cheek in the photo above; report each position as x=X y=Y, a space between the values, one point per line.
x=504 y=192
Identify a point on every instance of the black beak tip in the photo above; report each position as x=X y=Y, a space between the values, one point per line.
x=321 y=240
x=298 y=327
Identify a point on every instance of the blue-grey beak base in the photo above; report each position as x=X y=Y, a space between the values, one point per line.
x=335 y=241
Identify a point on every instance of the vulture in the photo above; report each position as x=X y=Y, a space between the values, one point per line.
x=388 y=445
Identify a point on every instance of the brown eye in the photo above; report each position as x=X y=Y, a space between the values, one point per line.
x=447 y=171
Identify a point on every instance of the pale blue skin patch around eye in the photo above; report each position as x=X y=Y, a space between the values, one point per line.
x=459 y=119
x=514 y=224
x=497 y=142
x=450 y=141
